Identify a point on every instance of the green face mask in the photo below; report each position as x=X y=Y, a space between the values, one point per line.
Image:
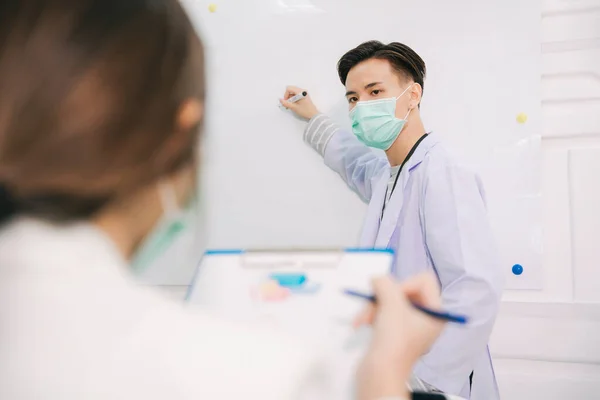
x=375 y=124
x=175 y=221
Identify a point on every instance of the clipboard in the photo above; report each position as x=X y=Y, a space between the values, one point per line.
x=230 y=282
x=319 y=314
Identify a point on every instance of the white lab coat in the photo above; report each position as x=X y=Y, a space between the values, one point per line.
x=435 y=221
x=73 y=325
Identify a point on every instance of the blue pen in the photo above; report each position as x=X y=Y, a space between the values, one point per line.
x=459 y=319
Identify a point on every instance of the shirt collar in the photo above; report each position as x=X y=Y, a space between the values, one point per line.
x=420 y=152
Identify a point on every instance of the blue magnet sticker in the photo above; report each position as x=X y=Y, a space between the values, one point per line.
x=289 y=280
x=517 y=269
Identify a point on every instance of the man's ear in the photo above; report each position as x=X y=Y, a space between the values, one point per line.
x=416 y=91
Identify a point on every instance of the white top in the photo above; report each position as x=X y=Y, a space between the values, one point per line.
x=390 y=186
x=73 y=325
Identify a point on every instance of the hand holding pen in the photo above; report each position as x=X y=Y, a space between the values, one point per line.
x=402 y=333
x=444 y=316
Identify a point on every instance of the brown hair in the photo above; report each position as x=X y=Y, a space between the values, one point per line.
x=403 y=59
x=89 y=95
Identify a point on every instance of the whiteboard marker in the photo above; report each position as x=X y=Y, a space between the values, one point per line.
x=297 y=97
x=294 y=99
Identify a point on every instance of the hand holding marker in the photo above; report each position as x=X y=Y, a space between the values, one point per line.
x=298 y=101
x=298 y=97
x=294 y=99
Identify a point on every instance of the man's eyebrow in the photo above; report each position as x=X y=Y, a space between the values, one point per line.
x=370 y=85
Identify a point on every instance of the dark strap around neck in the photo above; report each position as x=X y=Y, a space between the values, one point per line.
x=408 y=156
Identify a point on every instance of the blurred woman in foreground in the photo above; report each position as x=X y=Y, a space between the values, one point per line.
x=101 y=109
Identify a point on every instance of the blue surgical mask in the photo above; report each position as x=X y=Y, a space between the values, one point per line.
x=174 y=221
x=375 y=124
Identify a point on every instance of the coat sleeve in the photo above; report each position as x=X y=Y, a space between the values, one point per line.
x=357 y=164
x=460 y=243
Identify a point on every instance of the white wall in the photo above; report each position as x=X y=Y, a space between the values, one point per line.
x=547 y=343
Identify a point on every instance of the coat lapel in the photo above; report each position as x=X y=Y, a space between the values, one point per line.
x=391 y=217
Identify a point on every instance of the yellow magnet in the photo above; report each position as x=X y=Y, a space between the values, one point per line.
x=212 y=7
x=521 y=118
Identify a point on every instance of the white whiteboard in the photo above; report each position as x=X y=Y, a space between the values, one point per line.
x=264 y=188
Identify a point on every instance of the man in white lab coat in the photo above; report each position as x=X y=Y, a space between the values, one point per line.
x=422 y=204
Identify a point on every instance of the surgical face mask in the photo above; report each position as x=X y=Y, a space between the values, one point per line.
x=375 y=124
x=173 y=223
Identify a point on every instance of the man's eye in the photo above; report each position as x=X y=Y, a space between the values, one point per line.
x=375 y=92
x=352 y=100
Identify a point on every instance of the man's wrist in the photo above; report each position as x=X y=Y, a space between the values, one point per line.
x=312 y=115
